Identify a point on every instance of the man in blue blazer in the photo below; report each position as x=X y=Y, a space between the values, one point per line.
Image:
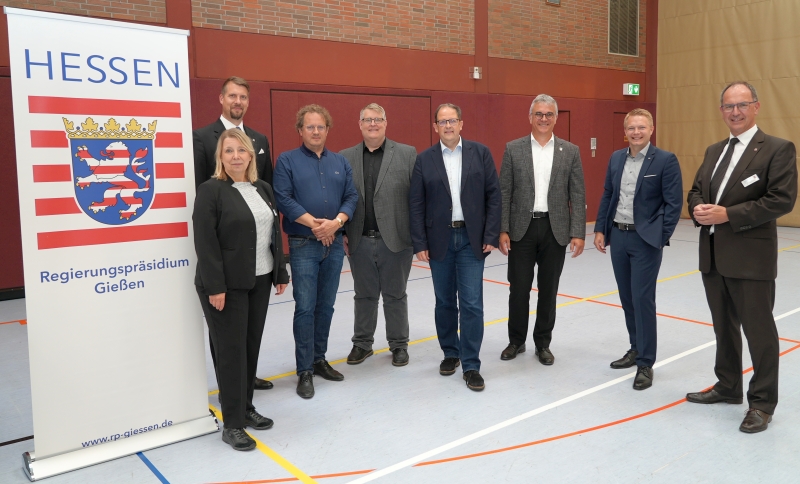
x=455 y=208
x=641 y=205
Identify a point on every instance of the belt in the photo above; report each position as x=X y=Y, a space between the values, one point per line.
x=458 y=224
x=375 y=234
x=304 y=237
x=624 y=226
x=540 y=215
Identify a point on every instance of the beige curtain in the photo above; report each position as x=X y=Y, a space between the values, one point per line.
x=703 y=45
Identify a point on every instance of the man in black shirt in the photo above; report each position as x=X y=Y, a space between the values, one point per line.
x=378 y=240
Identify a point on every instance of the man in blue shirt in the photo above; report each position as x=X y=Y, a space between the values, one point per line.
x=315 y=192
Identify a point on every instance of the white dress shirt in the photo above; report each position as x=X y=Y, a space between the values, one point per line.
x=738 y=151
x=452 y=164
x=264 y=219
x=229 y=125
x=542 y=168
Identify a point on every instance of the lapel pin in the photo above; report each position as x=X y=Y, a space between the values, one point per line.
x=755 y=149
x=560 y=149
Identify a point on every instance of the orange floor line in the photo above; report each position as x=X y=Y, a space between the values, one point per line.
x=551 y=439
x=513 y=447
x=578 y=432
x=294 y=479
x=20 y=321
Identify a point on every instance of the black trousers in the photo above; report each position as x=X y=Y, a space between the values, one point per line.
x=747 y=304
x=537 y=247
x=236 y=334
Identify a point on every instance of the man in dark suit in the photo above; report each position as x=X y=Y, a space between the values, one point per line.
x=455 y=222
x=234 y=98
x=640 y=207
x=744 y=184
x=378 y=238
x=544 y=210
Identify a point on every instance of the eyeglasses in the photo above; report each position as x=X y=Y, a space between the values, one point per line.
x=633 y=129
x=742 y=106
x=539 y=115
x=445 y=122
x=373 y=120
x=311 y=129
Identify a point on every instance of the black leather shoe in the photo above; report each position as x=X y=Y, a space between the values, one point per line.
x=324 y=369
x=255 y=420
x=474 y=380
x=644 y=378
x=448 y=366
x=305 y=384
x=755 y=421
x=260 y=384
x=238 y=439
x=545 y=356
x=711 y=396
x=626 y=361
x=512 y=351
x=399 y=357
x=357 y=355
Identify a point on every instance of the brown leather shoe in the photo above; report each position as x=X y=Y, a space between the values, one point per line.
x=545 y=356
x=711 y=396
x=755 y=421
x=512 y=351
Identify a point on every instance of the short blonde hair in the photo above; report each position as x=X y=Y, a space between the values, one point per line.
x=638 y=112
x=239 y=135
x=375 y=107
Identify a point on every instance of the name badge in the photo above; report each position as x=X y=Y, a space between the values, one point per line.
x=750 y=180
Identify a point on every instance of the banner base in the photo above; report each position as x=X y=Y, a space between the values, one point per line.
x=59 y=464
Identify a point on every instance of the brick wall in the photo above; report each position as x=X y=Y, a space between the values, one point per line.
x=150 y=11
x=437 y=25
x=575 y=33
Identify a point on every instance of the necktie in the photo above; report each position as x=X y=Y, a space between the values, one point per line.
x=719 y=175
x=239 y=128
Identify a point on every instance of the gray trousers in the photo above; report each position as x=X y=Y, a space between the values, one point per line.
x=379 y=271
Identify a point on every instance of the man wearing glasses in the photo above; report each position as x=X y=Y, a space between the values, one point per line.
x=315 y=192
x=544 y=210
x=455 y=220
x=377 y=238
x=639 y=210
x=745 y=182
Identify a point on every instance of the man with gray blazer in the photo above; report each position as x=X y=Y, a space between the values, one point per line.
x=378 y=237
x=544 y=209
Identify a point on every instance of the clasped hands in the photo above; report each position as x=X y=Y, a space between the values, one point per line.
x=325 y=230
x=710 y=214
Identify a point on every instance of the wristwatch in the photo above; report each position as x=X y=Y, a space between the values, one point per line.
x=341 y=223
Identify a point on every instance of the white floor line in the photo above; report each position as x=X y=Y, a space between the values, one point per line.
x=469 y=438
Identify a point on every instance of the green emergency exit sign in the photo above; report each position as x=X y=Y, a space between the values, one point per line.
x=630 y=89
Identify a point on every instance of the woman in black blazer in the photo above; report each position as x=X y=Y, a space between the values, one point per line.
x=239 y=249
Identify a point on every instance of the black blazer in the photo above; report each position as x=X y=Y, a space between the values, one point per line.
x=431 y=205
x=225 y=238
x=205 y=146
x=746 y=247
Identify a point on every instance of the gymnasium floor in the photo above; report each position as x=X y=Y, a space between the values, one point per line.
x=576 y=421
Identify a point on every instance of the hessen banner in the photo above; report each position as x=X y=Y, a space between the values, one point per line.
x=103 y=136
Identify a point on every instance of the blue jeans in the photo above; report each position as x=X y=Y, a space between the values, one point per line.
x=459 y=275
x=315 y=281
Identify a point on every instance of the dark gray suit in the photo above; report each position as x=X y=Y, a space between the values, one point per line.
x=539 y=241
x=381 y=263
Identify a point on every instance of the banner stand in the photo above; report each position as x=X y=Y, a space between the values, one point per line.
x=70 y=461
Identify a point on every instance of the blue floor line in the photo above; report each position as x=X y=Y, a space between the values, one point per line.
x=152 y=468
